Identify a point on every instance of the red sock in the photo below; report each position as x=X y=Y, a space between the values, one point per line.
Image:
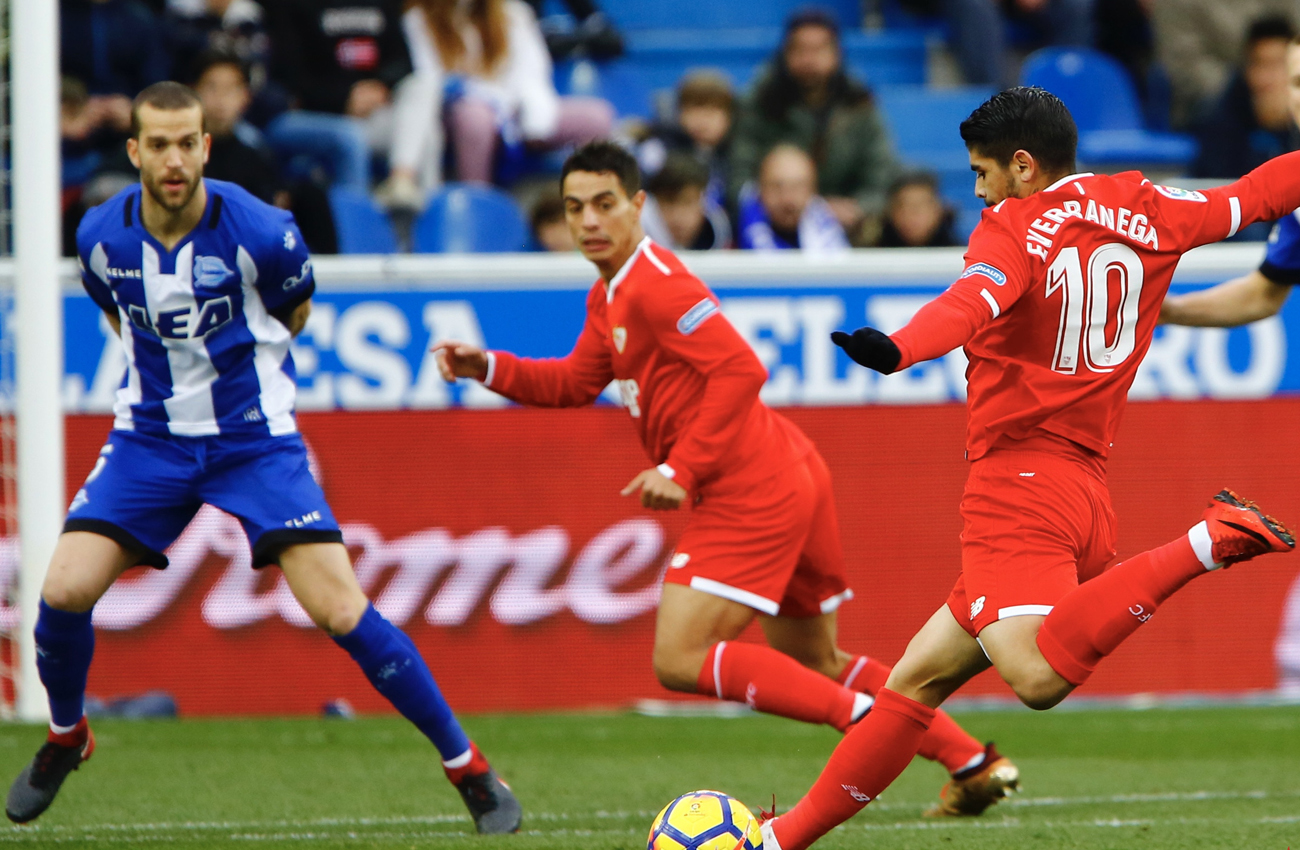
x=1093 y=619
x=864 y=674
x=773 y=682
x=74 y=737
x=869 y=758
x=477 y=764
x=946 y=742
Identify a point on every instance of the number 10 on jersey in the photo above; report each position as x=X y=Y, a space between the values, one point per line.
x=1086 y=308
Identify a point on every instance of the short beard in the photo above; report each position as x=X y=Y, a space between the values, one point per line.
x=156 y=193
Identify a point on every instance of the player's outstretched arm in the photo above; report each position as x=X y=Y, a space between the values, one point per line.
x=943 y=324
x=1235 y=302
x=460 y=360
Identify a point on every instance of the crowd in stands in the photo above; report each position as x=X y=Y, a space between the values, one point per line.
x=325 y=106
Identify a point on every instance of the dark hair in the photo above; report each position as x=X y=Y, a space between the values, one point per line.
x=166 y=95
x=213 y=57
x=705 y=88
x=779 y=91
x=602 y=157
x=811 y=16
x=1268 y=27
x=680 y=172
x=1024 y=118
x=548 y=210
x=928 y=179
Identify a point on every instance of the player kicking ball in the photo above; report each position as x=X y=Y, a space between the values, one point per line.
x=763 y=538
x=1063 y=284
x=206 y=285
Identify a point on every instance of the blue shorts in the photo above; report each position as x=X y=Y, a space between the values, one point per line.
x=144 y=490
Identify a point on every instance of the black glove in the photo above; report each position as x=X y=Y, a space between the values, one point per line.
x=870 y=348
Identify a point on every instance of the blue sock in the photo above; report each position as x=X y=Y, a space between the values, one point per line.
x=65 y=643
x=394 y=666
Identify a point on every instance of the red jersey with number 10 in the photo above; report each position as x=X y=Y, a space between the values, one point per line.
x=1062 y=291
x=686 y=376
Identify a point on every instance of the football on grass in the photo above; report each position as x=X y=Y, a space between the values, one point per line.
x=705 y=820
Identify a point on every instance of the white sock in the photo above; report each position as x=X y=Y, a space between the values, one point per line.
x=1202 y=545
x=460 y=760
x=769 y=837
x=62 y=730
x=861 y=702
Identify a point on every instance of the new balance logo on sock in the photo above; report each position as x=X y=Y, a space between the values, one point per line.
x=751 y=696
x=856 y=794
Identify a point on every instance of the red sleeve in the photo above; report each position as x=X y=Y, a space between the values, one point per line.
x=997 y=274
x=685 y=319
x=1265 y=194
x=571 y=381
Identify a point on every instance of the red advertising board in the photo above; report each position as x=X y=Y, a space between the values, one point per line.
x=498 y=540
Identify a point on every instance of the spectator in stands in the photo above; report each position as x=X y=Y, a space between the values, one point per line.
x=805 y=98
x=977 y=30
x=1251 y=123
x=678 y=212
x=702 y=129
x=485 y=59
x=785 y=212
x=917 y=217
x=348 y=73
x=589 y=33
x=108 y=51
x=195 y=27
x=550 y=230
x=1199 y=44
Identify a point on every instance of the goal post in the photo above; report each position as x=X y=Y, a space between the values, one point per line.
x=38 y=306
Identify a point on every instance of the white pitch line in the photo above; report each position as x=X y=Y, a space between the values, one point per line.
x=291 y=827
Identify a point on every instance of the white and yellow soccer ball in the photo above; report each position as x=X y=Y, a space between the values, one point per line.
x=705 y=820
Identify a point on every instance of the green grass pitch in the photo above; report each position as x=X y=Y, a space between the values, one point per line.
x=1160 y=779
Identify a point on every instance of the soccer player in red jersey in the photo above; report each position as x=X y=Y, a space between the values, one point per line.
x=763 y=537
x=1056 y=307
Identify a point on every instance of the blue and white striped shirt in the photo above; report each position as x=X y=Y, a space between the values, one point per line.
x=204 y=354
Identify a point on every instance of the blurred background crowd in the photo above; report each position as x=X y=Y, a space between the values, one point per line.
x=440 y=125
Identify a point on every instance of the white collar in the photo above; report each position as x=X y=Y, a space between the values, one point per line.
x=625 y=270
x=1059 y=183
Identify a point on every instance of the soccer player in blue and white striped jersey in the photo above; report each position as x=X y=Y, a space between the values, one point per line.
x=206 y=286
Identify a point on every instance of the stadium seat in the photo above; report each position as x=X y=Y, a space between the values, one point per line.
x=1101 y=96
x=469 y=218
x=720 y=14
x=657 y=59
x=363 y=228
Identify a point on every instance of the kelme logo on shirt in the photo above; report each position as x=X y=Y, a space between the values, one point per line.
x=696 y=316
x=210 y=271
x=988 y=271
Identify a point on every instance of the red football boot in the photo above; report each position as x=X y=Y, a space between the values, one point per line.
x=1239 y=530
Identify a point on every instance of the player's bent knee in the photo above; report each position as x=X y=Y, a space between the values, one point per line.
x=677 y=670
x=1041 y=692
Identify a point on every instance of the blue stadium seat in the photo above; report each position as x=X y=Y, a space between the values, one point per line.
x=363 y=228
x=657 y=59
x=924 y=122
x=469 y=218
x=720 y=14
x=1102 y=98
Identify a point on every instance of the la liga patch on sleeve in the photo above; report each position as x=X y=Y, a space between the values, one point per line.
x=993 y=274
x=696 y=316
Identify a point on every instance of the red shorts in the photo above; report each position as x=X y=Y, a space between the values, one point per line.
x=775 y=547
x=1034 y=525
